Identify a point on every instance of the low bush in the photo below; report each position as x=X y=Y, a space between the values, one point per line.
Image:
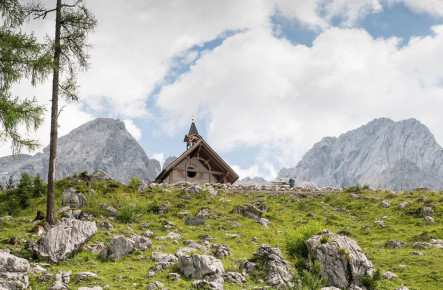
x=295 y=243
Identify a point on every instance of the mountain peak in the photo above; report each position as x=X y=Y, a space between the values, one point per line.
x=372 y=154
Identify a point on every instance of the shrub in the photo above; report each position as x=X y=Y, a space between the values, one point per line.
x=127 y=213
x=324 y=239
x=371 y=282
x=134 y=182
x=366 y=186
x=295 y=243
x=314 y=279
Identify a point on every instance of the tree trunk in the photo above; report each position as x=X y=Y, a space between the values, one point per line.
x=50 y=208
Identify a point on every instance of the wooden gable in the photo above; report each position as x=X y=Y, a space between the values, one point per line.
x=200 y=164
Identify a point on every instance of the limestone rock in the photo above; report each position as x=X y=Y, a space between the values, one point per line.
x=85 y=275
x=141 y=242
x=163 y=258
x=6 y=219
x=198 y=266
x=100 y=175
x=234 y=278
x=344 y=263
x=429 y=219
x=395 y=244
x=221 y=251
x=426 y=211
x=196 y=220
x=279 y=275
x=155 y=285
x=264 y=222
x=248 y=211
x=213 y=282
x=63 y=240
x=385 y=203
x=13 y=272
x=389 y=275
x=73 y=198
x=118 y=248
x=419 y=246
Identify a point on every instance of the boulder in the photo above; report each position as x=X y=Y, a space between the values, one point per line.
x=141 y=242
x=155 y=285
x=163 y=258
x=213 y=282
x=428 y=219
x=248 y=211
x=426 y=211
x=85 y=275
x=389 y=275
x=264 y=222
x=100 y=175
x=118 y=248
x=96 y=248
x=395 y=244
x=279 y=275
x=221 y=251
x=6 y=218
x=62 y=280
x=199 y=266
x=403 y=204
x=234 y=278
x=195 y=189
x=13 y=272
x=385 y=203
x=419 y=246
x=344 y=263
x=73 y=198
x=195 y=220
x=63 y=240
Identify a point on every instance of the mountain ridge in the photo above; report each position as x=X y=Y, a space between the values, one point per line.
x=102 y=143
x=370 y=153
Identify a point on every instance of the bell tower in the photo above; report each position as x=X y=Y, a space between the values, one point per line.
x=192 y=137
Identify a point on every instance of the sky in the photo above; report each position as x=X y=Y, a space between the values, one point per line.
x=265 y=79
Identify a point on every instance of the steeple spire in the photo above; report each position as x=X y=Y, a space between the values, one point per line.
x=193 y=135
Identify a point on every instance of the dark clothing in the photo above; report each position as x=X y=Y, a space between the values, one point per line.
x=291 y=182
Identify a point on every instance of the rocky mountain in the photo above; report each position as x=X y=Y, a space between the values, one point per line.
x=383 y=153
x=99 y=144
x=256 y=180
x=168 y=161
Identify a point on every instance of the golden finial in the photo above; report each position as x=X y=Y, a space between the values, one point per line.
x=193 y=117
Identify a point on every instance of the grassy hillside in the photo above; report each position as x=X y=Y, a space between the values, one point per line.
x=289 y=214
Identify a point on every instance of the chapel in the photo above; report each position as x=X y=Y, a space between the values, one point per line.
x=198 y=164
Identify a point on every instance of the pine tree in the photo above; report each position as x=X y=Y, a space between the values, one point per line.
x=20 y=56
x=38 y=186
x=24 y=190
x=10 y=183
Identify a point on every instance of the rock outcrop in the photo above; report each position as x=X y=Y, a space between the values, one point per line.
x=73 y=198
x=13 y=272
x=99 y=144
x=344 y=263
x=383 y=153
x=63 y=240
x=199 y=266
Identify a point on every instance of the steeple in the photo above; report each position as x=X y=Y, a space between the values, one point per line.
x=193 y=135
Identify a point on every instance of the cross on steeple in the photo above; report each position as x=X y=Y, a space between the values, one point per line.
x=193 y=135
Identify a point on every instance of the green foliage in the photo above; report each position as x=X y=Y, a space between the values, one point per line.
x=39 y=188
x=366 y=186
x=24 y=190
x=356 y=188
x=134 y=182
x=313 y=280
x=324 y=239
x=21 y=56
x=10 y=183
x=295 y=243
x=370 y=282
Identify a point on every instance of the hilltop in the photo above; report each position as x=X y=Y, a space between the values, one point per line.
x=168 y=221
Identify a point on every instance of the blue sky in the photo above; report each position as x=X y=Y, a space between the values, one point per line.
x=266 y=79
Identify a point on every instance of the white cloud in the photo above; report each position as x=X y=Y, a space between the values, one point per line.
x=319 y=14
x=432 y=7
x=257 y=89
x=160 y=157
x=135 y=131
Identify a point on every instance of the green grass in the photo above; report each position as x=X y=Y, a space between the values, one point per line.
x=293 y=219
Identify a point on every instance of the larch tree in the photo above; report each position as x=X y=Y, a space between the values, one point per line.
x=21 y=56
x=73 y=23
